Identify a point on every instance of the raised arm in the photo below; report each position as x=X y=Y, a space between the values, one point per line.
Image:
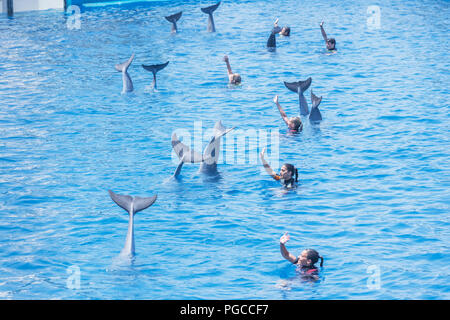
x=284 y=252
x=267 y=167
x=324 y=35
x=227 y=61
x=282 y=113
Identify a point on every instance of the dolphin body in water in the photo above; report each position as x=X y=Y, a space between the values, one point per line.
x=127 y=84
x=154 y=69
x=300 y=87
x=210 y=155
x=272 y=42
x=132 y=205
x=315 y=116
x=174 y=18
x=209 y=11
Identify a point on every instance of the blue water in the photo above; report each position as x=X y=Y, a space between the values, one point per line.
x=374 y=191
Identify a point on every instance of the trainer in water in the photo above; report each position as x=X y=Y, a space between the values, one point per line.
x=209 y=11
x=315 y=116
x=132 y=206
x=210 y=155
x=154 y=69
x=306 y=261
x=285 y=31
x=293 y=123
x=233 y=78
x=127 y=84
x=173 y=19
x=330 y=42
x=299 y=87
x=286 y=175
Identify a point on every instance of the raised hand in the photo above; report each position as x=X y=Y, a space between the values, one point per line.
x=275 y=99
x=261 y=154
x=285 y=238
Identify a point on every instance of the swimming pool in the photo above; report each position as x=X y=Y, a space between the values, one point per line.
x=374 y=192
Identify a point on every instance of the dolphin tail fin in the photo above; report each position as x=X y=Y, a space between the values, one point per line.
x=121 y=200
x=210 y=9
x=299 y=86
x=123 y=67
x=140 y=204
x=315 y=100
x=175 y=17
x=220 y=130
x=131 y=205
x=154 y=68
x=184 y=153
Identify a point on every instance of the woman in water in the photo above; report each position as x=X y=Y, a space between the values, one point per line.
x=330 y=42
x=233 y=78
x=306 y=261
x=294 y=123
x=285 y=31
x=287 y=172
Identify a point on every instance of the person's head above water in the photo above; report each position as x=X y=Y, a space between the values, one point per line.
x=286 y=31
x=309 y=257
x=331 y=44
x=295 y=123
x=288 y=172
x=236 y=78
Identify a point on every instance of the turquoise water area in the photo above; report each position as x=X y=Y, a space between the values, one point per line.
x=373 y=197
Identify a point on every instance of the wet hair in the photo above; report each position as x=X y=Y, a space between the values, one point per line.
x=314 y=256
x=293 y=170
x=236 y=78
x=287 y=31
x=297 y=122
x=332 y=41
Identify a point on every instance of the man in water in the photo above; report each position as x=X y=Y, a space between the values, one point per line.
x=234 y=78
x=330 y=42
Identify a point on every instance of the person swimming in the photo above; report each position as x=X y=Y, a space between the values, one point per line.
x=330 y=42
x=293 y=123
x=305 y=261
x=287 y=172
x=285 y=31
x=233 y=78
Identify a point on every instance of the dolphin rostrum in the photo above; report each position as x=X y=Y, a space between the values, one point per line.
x=126 y=80
x=209 y=11
x=174 y=18
x=210 y=155
x=154 y=69
x=315 y=115
x=300 y=87
x=132 y=206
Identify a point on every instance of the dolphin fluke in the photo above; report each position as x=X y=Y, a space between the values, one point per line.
x=209 y=11
x=154 y=69
x=302 y=85
x=315 y=115
x=173 y=19
x=124 y=66
x=130 y=204
x=299 y=87
x=212 y=151
x=127 y=84
x=184 y=153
